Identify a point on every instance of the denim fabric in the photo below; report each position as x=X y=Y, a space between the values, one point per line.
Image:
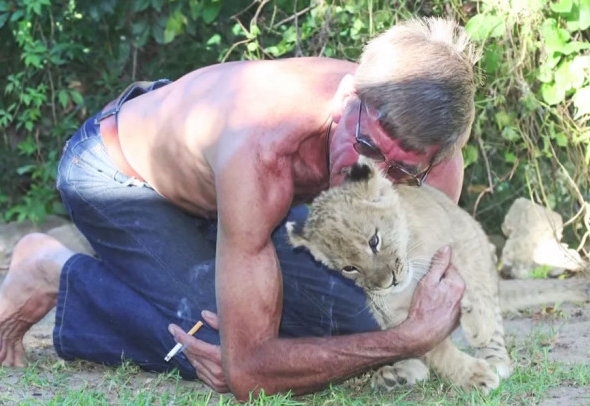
x=155 y=265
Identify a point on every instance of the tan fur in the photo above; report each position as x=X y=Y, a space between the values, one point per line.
x=518 y=294
x=534 y=233
x=411 y=223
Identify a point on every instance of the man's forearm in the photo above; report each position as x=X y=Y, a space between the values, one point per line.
x=303 y=365
x=306 y=364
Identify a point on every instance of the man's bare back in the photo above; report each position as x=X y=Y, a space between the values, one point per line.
x=172 y=136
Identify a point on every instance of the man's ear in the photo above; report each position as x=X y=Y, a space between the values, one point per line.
x=344 y=92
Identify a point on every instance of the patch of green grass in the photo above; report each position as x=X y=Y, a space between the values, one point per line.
x=51 y=382
x=534 y=375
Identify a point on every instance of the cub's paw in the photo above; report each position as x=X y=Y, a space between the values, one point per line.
x=503 y=368
x=403 y=373
x=497 y=356
x=482 y=376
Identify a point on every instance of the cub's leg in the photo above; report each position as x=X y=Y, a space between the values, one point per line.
x=478 y=319
x=462 y=369
x=478 y=316
x=495 y=352
x=403 y=373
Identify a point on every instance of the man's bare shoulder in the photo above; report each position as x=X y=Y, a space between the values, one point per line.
x=313 y=63
x=303 y=72
x=308 y=63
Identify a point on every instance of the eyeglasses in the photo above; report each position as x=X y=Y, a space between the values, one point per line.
x=395 y=169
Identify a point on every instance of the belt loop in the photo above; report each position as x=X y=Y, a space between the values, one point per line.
x=118 y=102
x=107 y=113
x=143 y=86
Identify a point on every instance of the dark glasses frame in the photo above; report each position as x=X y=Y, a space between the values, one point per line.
x=395 y=169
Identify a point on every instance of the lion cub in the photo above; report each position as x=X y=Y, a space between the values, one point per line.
x=384 y=237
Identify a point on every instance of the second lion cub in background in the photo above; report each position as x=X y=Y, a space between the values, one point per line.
x=384 y=236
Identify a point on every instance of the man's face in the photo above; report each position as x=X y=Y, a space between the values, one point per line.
x=359 y=132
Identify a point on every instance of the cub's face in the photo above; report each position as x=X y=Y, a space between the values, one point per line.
x=374 y=256
x=358 y=230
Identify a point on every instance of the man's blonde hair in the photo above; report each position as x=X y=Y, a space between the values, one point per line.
x=419 y=75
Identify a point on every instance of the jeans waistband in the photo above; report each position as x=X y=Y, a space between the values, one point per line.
x=107 y=120
x=133 y=90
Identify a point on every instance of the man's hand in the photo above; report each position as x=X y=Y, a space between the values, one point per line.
x=436 y=304
x=205 y=357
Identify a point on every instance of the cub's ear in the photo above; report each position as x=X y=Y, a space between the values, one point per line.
x=361 y=171
x=295 y=234
x=374 y=182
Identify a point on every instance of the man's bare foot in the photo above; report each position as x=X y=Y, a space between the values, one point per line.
x=29 y=291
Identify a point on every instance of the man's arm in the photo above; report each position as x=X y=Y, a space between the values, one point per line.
x=418 y=332
x=252 y=199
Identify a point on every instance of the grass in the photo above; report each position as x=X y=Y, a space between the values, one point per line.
x=49 y=381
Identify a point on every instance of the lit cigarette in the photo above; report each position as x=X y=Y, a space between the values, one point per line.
x=179 y=347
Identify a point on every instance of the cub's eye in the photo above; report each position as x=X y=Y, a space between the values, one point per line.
x=350 y=269
x=374 y=242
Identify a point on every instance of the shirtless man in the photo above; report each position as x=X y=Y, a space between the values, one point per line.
x=182 y=189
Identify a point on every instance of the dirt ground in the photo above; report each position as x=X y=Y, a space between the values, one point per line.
x=568 y=342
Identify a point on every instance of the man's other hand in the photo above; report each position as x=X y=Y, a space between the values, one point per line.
x=436 y=304
x=205 y=357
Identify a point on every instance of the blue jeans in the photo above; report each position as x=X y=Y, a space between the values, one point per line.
x=155 y=265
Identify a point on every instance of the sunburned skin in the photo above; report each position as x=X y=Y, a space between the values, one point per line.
x=220 y=107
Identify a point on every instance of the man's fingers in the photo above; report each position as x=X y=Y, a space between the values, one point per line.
x=211 y=319
x=209 y=371
x=442 y=258
x=452 y=273
x=177 y=332
x=205 y=357
x=454 y=279
x=217 y=384
x=440 y=264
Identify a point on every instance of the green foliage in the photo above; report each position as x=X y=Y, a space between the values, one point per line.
x=36 y=98
x=541 y=272
x=531 y=135
x=64 y=60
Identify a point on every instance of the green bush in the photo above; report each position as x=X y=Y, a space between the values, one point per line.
x=67 y=58
x=531 y=136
